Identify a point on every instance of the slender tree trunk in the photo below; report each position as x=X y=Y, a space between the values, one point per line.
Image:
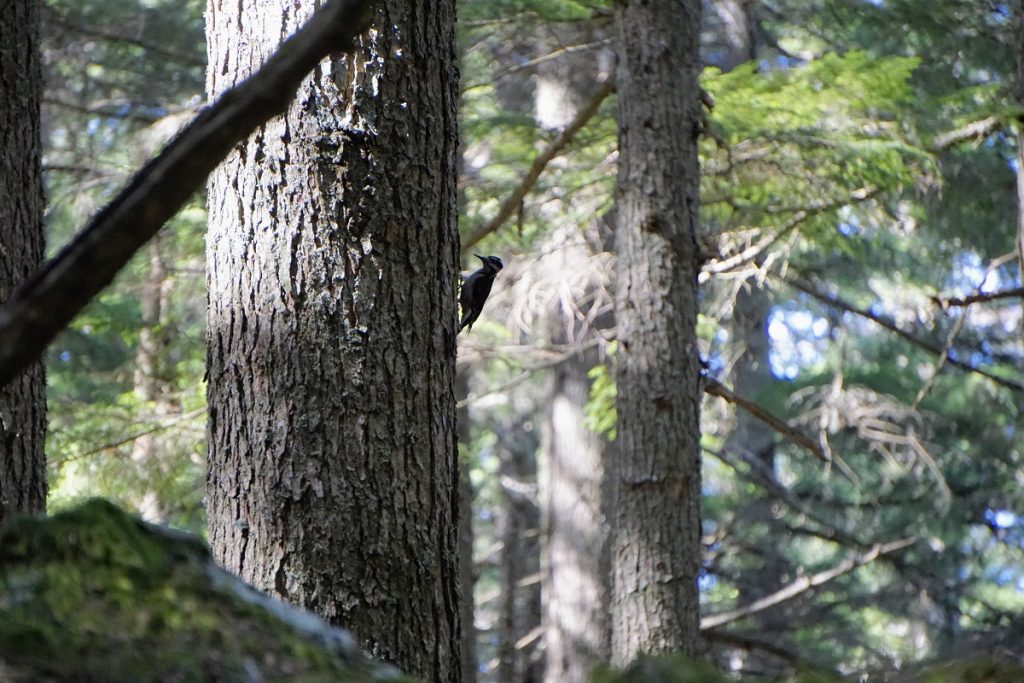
x=150 y=378
x=577 y=577
x=332 y=257
x=656 y=529
x=1019 y=95
x=467 y=570
x=751 y=372
x=518 y=527
x=23 y=400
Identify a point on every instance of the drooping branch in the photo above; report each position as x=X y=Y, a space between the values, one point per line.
x=512 y=202
x=716 y=388
x=805 y=583
x=841 y=304
x=55 y=293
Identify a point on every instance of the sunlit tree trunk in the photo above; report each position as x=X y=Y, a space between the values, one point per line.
x=23 y=401
x=656 y=527
x=332 y=256
x=576 y=577
x=577 y=589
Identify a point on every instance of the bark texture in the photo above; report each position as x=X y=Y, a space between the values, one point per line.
x=656 y=529
x=332 y=261
x=23 y=400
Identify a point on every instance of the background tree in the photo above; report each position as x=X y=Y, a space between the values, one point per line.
x=332 y=466
x=23 y=401
x=655 y=544
x=127 y=403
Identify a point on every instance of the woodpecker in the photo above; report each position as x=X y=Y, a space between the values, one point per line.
x=475 y=288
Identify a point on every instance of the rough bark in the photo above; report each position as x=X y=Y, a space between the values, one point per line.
x=656 y=528
x=23 y=400
x=332 y=259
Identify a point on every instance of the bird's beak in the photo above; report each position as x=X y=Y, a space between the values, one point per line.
x=480 y=257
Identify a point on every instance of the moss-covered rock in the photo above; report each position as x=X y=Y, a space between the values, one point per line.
x=95 y=594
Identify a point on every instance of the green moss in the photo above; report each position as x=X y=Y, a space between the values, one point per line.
x=94 y=594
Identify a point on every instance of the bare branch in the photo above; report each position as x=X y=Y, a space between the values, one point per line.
x=512 y=202
x=716 y=388
x=950 y=302
x=888 y=324
x=805 y=583
x=975 y=130
x=561 y=52
x=58 y=290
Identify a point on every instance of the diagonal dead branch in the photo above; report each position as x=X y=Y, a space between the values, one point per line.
x=716 y=388
x=48 y=300
x=512 y=202
x=836 y=302
x=805 y=583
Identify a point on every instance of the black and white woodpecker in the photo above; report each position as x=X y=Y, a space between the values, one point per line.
x=475 y=288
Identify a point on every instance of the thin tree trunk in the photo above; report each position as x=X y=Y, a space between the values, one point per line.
x=577 y=573
x=467 y=569
x=518 y=525
x=751 y=372
x=23 y=400
x=1019 y=94
x=656 y=528
x=331 y=343
x=150 y=378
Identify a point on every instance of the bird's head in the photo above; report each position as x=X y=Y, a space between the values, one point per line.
x=492 y=263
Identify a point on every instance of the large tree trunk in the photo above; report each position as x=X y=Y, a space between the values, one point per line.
x=656 y=528
x=23 y=400
x=332 y=263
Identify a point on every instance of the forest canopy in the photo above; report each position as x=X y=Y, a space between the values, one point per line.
x=810 y=220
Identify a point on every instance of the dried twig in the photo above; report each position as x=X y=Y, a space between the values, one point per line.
x=716 y=388
x=841 y=304
x=946 y=302
x=805 y=583
x=512 y=202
